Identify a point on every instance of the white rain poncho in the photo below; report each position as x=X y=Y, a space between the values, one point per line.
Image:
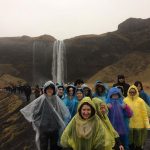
x=47 y=114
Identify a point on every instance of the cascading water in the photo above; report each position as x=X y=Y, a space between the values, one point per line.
x=59 y=62
x=41 y=61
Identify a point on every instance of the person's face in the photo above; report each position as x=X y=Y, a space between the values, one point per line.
x=70 y=91
x=132 y=92
x=49 y=91
x=79 y=95
x=86 y=111
x=121 y=80
x=139 y=87
x=115 y=96
x=86 y=91
x=100 y=89
x=60 y=91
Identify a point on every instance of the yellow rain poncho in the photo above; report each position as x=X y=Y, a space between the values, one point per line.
x=111 y=132
x=139 y=122
x=83 y=134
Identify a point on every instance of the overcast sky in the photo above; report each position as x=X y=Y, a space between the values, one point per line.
x=67 y=18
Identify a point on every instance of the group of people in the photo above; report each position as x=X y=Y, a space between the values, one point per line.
x=75 y=118
x=20 y=89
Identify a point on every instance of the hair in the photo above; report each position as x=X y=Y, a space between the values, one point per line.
x=78 y=81
x=121 y=76
x=137 y=83
x=92 y=109
x=60 y=86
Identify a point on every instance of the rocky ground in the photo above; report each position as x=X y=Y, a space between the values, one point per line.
x=15 y=132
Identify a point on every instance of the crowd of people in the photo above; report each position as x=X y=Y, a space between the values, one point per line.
x=74 y=117
x=20 y=89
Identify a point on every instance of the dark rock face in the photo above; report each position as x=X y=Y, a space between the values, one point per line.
x=86 y=54
x=21 y=52
x=134 y=25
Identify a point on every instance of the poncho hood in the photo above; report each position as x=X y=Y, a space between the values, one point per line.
x=135 y=88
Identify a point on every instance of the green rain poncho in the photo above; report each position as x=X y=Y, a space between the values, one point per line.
x=111 y=132
x=83 y=134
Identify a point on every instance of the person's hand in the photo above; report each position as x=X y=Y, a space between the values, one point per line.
x=103 y=108
x=109 y=105
x=121 y=147
x=123 y=106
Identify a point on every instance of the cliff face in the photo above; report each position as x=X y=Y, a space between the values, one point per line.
x=18 y=53
x=86 y=55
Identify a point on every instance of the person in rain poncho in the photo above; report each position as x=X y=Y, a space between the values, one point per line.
x=85 y=131
x=101 y=91
x=139 y=121
x=121 y=83
x=87 y=91
x=70 y=100
x=49 y=117
x=102 y=110
x=78 y=83
x=119 y=114
x=79 y=94
x=61 y=91
x=142 y=93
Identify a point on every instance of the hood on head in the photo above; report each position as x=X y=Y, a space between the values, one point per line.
x=114 y=90
x=85 y=86
x=60 y=86
x=79 y=89
x=71 y=86
x=99 y=83
x=97 y=102
x=86 y=100
x=135 y=88
x=51 y=85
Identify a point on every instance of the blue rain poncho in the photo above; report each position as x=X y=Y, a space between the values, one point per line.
x=103 y=95
x=117 y=114
x=71 y=104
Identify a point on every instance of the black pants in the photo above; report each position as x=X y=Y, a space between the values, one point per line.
x=28 y=98
x=49 y=139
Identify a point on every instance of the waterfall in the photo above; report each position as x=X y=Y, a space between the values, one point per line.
x=59 y=62
x=33 y=63
x=41 y=61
